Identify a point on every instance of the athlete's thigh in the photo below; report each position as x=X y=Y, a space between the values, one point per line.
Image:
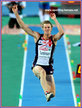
x=37 y=71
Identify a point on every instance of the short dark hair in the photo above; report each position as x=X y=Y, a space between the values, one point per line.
x=46 y=22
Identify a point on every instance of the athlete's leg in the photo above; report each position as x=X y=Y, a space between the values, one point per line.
x=51 y=83
x=41 y=74
x=17 y=25
x=47 y=82
x=11 y=23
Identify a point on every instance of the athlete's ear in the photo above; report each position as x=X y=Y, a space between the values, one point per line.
x=51 y=28
x=42 y=28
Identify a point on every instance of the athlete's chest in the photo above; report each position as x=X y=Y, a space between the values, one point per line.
x=45 y=45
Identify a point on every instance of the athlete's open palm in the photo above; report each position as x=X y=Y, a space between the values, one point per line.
x=53 y=15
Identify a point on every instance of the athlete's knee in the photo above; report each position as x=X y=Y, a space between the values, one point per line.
x=36 y=73
x=33 y=70
x=39 y=72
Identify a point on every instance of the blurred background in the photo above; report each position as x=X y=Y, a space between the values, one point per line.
x=30 y=9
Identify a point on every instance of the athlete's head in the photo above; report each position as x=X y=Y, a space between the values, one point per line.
x=46 y=22
x=47 y=27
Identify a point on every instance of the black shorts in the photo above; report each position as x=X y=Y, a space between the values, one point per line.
x=12 y=22
x=49 y=69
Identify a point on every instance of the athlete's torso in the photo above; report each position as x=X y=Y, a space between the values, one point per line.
x=44 y=51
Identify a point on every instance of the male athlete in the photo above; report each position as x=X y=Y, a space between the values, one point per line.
x=45 y=45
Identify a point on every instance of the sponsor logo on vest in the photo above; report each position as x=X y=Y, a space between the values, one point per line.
x=44 y=53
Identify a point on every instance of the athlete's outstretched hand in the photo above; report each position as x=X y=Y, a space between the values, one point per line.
x=15 y=9
x=53 y=16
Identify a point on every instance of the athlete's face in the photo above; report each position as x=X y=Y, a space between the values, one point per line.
x=47 y=29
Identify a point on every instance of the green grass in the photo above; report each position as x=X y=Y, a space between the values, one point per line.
x=36 y=20
x=12 y=63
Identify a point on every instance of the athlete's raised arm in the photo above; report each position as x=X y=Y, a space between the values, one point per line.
x=23 y=25
x=60 y=29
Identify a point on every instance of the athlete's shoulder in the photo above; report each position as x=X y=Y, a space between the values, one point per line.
x=52 y=38
x=38 y=35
